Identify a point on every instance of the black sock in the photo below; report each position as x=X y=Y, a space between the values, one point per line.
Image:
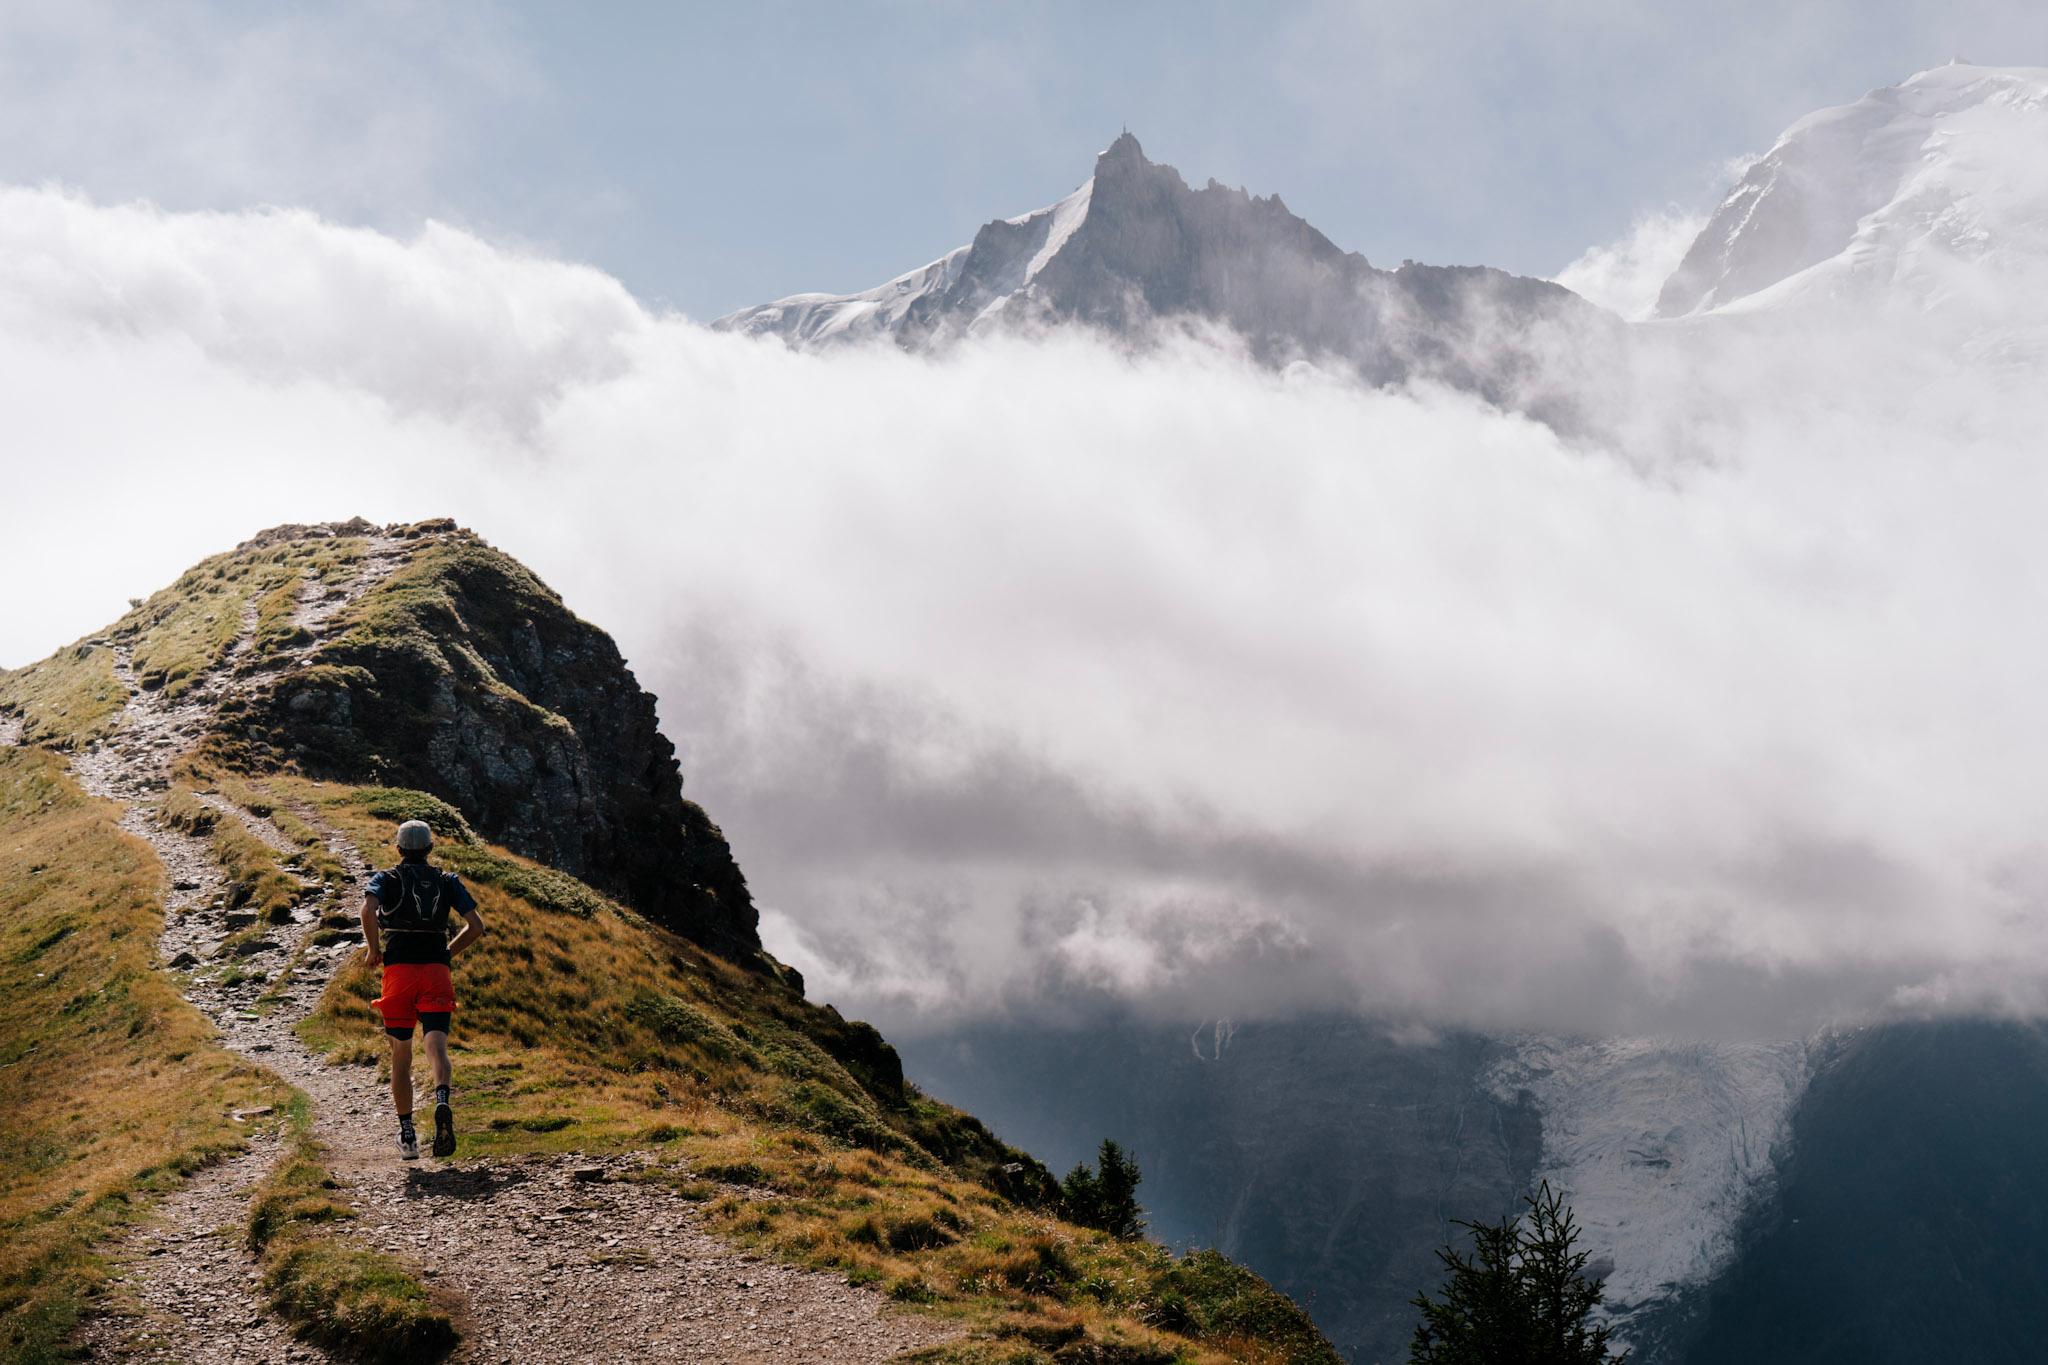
x=440 y=1094
x=405 y=1123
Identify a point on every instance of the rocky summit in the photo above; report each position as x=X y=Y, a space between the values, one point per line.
x=1135 y=249
x=461 y=674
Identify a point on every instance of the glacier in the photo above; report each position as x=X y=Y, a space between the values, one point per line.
x=1660 y=1146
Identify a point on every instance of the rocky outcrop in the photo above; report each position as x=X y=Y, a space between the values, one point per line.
x=461 y=674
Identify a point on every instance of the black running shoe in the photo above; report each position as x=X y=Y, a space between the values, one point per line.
x=444 y=1130
x=408 y=1142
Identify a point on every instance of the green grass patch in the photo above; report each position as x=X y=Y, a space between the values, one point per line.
x=357 y=1300
x=188 y=628
x=312 y=857
x=256 y=877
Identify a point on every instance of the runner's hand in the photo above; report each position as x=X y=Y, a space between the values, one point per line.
x=376 y=958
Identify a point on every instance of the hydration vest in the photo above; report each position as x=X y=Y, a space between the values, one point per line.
x=423 y=902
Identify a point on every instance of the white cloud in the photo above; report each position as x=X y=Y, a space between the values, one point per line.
x=1625 y=276
x=1038 y=671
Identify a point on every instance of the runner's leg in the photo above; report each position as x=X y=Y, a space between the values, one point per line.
x=435 y=1027
x=437 y=1052
x=401 y=1075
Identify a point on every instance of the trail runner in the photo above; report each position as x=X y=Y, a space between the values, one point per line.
x=406 y=911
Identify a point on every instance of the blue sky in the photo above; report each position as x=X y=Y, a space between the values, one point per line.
x=711 y=156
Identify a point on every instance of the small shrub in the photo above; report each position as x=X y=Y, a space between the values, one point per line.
x=548 y=1123
x=912 y=1290
x=917 y=1233
x=1042 y=1266
x=734 y=1173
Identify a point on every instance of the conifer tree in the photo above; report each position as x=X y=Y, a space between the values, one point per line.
x=1106 y=1197
x=1520 y=1297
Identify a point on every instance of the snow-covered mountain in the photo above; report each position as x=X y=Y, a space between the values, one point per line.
x=1135 y=247
x=1932 y=188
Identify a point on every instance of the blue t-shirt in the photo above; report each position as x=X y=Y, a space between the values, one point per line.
x=416 y=947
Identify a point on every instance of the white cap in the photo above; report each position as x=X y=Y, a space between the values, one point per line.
x=414 y=836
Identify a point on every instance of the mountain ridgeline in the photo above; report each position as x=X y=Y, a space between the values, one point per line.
x=1135 y=249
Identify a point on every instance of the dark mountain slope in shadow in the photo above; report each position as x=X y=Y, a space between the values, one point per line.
x=1911 y=1222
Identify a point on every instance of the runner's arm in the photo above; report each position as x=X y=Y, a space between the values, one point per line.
x=373 y=945
x=472 y=930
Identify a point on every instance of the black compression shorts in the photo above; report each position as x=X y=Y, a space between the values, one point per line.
x=431 y=1021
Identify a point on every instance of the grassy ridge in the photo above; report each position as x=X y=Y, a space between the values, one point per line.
x=72 y=698
x=461 y=639
x=581 y=1027
x=67 y=700
x=114 y=1087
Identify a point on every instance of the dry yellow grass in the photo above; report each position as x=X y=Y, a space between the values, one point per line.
x=114 y=1087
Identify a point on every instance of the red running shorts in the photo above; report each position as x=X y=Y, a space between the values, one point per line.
x=412 y=989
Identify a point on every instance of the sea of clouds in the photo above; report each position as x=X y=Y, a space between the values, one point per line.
x=1046 y=672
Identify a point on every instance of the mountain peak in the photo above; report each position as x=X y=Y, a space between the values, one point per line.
x=1122 y=169
x=1941 y=166
x=1124 y=148
x=1135 y=247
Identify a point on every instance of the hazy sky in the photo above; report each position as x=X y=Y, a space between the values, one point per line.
x=711 y=156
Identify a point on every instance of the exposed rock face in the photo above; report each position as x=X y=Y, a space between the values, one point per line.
x=463 y=675
x=1136 y=247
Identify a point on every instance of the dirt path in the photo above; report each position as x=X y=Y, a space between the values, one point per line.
x=189 y=1290
x=552 y=1259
